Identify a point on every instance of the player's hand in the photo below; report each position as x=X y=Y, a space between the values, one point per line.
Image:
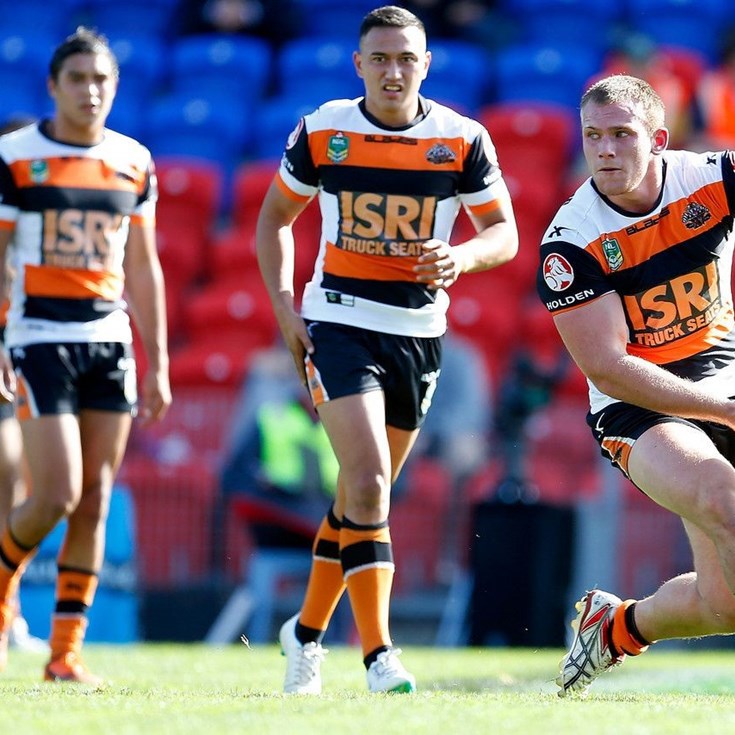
x=439 y=266
x=155 y=397
x=7 y=377
x=297 y=339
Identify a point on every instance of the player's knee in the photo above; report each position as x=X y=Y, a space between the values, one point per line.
x=369 y=493
x=55 y=509
x=716 y=506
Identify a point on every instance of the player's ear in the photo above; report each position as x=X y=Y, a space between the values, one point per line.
x=357 y=61
x=660 y=140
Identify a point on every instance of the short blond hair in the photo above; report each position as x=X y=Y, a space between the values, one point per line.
x=623 y=89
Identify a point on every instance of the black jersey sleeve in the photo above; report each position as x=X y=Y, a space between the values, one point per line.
x=9 y=193
x=297 y=157
x=728 y=178
x=569 y=276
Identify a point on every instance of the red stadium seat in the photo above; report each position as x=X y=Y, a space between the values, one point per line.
x=190 y=192
x=533 y=139
x=485 y=309
x=232 y=304
x=221 y=360
x=250 y=183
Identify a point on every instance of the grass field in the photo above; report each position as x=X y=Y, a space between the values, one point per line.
x=173 y=689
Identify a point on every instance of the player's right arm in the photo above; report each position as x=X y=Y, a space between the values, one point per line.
x=7 y=376
x=596 y=336
x=275 y=249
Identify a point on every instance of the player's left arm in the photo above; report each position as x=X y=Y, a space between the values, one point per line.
x=146 y=295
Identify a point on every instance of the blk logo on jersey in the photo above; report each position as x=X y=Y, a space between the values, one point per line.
x=440 y=153
x=385 y=224
x=558 y=273
x=695 y=215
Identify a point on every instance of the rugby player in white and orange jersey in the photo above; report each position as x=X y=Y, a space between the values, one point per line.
x=78 y=201
x=636 y=270
x=391 y=170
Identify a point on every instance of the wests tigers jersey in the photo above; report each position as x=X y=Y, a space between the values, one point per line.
x=671 y=267
x=382 y=193
x=70 y=208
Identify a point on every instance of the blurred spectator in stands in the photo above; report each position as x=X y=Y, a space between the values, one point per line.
x=279 y=457
x=475 y=21
x=457 y=428
x=276 y=21
x=638 y=55
x=716 y=101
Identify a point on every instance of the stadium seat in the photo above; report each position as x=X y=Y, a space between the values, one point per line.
x=239 y=307
x=568 y=22
x=321 y=17
x=273 y=121
x=23 y=70
x=308 y=61
x=149 y=18
x=539 y=72
x=191 y=125
x=232 y=251
x=485 y=309
x=250 y=182
x=221 y=360
x=190 y=191
x=458 y=60
x=34 y=18
x=694 y=24
x=687 y=64
x=221 y=65
x=532 y=138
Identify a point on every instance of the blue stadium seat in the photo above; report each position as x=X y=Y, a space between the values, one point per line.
x=460 y=73
x=321 y=17
x=694 y=24
x=23 y=71
x=143 y=61
x=273 y=122
x=181 y=124
x=544 y=73
x=306 y=61
x=221 y=64
x=33 y=17
x=142 y=76
x=565 y=21
x=152 y=18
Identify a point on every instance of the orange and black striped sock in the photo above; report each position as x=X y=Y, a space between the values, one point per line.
x=626 y=637
x=367 y=563
x=75 y=590
x=13 y=559
x=326 y=582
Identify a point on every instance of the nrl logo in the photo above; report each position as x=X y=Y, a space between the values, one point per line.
x=338 y=148
x=39 y=171
x=440 y=153
x=695 y=215
x=613 y=253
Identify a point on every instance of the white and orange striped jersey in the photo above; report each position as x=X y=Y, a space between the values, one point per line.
x=69 y=208
x=671 y=267
x=382 y=193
